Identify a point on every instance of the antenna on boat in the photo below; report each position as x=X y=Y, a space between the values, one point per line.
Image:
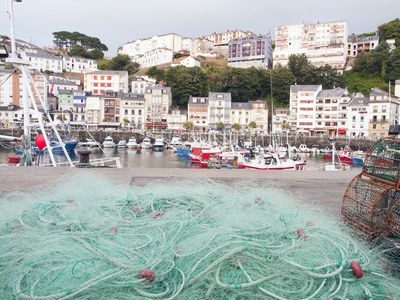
x=29 y=89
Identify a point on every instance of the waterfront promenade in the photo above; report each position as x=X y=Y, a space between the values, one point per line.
x=322 y=189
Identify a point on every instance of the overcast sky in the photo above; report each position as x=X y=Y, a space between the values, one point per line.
x=116 y=22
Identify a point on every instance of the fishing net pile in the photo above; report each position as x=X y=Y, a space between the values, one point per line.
x=88 y=238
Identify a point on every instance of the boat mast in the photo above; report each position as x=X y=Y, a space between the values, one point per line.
x=29 y=84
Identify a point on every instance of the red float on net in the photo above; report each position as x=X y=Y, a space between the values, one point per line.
x=148 y=274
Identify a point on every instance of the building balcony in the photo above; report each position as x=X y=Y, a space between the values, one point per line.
x=379 y=121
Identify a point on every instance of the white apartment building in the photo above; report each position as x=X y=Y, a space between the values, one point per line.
x=198 y=112
x=169 y=41
x=133 y=109
x=93 y=108
x=154 y=57
x=198 y=46
x=98 y=82
x=280 y=120
x=12 y=113
x=42 y=62
x=383 y=111
x=219 y=108
x=355 y=45
x=241 y=114
x=57 y=84
x=357 y=116
x=322 y=43
x=224 y=37
x=78 y=65
x=176 y=118
x=140 y=83
x=158 y=103
x=259 y=114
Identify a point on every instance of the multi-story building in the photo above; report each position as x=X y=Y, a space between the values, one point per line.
x=169 y=41
x=198 y=112
x=78 y=64
x=317 y=111
x=219 y=109
x=154 y=57
x=43 y=62
x=79 y=107
x=10 y=114
x=57 y=84
x=158 y=102
x=280 y=120
x=250 y=51
x=140 y=83
x=357 y=116
x=241 y=114
x=303 y=100
x=98 y=82
x=322 y=43
x=383 y=111
x=355 y=45
x=331 y=111
x=259 y=115
x=176 y=118
x=133 y=109
x=12 y=89
x=224 y=37
x=110 y=108
x=93 y=110
x=66 y=100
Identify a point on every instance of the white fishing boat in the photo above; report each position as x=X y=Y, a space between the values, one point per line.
x=158 y=144
x=175 y=142
x=90 y=143
x=121 y=144
x=333 y=166
x=272 y=162
x=132 y=143
x=108 y=142
x=146 y=143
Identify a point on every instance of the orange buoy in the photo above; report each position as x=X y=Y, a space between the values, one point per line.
x=40 y=141
x=357 y=271
x=148 y=274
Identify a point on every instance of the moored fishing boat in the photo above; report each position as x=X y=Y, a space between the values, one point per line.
x=158 y=144
x=132 y=143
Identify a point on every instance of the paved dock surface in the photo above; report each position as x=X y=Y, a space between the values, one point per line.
x=323 y=189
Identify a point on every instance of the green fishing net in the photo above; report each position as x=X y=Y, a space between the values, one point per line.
x=89 y=238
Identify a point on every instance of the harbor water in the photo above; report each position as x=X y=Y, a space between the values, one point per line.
x=145 y=158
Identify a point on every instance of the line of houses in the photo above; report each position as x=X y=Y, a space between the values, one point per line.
x=106 y=102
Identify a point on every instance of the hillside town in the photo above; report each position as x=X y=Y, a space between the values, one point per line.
x=100 y=99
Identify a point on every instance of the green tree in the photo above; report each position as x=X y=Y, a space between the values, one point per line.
x=126 y=121
x=121 y=62
x=282 y=79
x=253 y=124
x=96 y=54
x=61 y=117
x=236 y=126
x=79 y=51
x=220 y=125
x=185 y=82
x=188 y=125
x=390 y=30
x=107 y=119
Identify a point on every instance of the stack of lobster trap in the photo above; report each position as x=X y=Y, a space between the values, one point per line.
x=372 y=199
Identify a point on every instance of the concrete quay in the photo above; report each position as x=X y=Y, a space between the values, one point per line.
x=321 y=189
